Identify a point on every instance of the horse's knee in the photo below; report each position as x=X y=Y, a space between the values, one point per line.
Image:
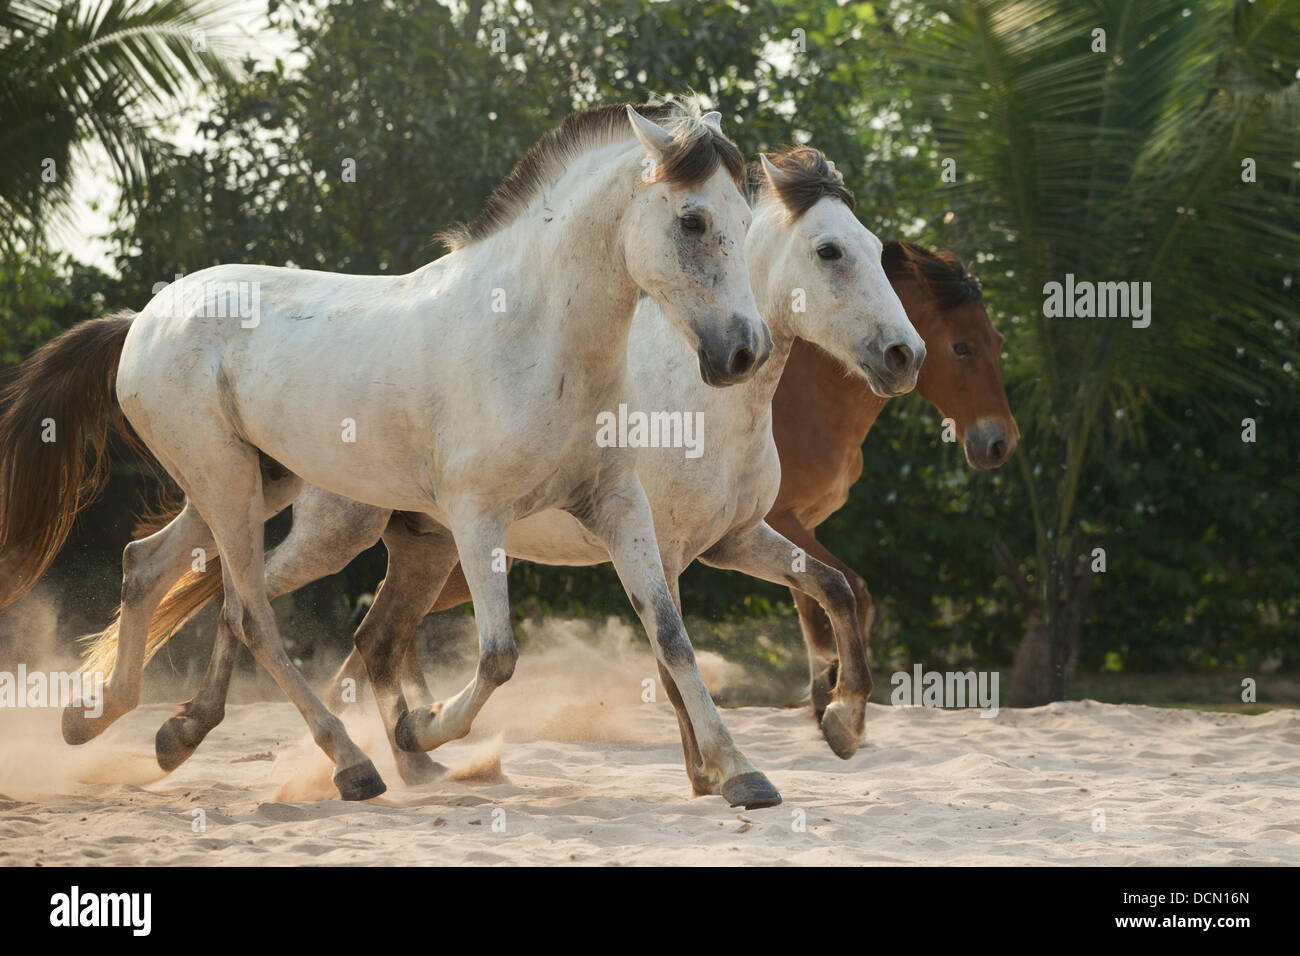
x=139 y=576
x=840 y=594
x=498 y=666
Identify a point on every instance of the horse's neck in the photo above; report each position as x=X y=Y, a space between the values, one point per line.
x=752 y=400
x=865 y=407
x=562 y=260
x=842 y=399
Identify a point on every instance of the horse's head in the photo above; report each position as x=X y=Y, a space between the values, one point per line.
x=821 y=271
x=683 y=240
x=961 y=377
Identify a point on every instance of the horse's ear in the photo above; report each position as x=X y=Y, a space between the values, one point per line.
x=653 y=136
x=776 y=177
x=714 y=119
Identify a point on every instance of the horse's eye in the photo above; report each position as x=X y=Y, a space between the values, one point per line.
x=692 y=223
x=961 y=350
x=829 y=251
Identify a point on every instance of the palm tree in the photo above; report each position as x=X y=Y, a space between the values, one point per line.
x=1160 y=150
x=73 y=72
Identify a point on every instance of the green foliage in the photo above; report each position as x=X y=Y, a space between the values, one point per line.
x=40 y=296
x=1121 y=165
x=73 y=72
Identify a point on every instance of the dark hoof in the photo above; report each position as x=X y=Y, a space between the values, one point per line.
x=751 y=791
x=176 y=741
x=404 y=734
x=416 y=769
x=76 y=728
x=823 y=689
x=360 y=782
x=839 y=730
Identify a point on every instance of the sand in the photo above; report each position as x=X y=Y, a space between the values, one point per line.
x=598 y=780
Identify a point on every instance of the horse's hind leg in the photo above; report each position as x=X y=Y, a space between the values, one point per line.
x=346 y=696
x=226 y=487
x=150 y=566
x=328 y=532
x=414 y=768
x=761 y=552
x=418 y=565
x=181 y=734
x=478 y=538
x=413 y=682
x=455 y=592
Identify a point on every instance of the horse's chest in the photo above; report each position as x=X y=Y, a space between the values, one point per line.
x=834 y=493
x=698 y=502
x=534 y=453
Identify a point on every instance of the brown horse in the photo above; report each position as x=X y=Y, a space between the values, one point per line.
x=821 y=417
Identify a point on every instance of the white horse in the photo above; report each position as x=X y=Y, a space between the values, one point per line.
x=817 y=274
x=464 y=391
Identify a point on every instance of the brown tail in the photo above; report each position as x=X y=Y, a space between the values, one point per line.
x=185 y=599
x=57 y=402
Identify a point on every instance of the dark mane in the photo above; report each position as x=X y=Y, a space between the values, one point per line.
x=940 y=272
x=813 y=177
x=696 y=153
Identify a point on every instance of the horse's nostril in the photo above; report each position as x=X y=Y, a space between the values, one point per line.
x=898 y=357
x=742 y=360
x=997 y=450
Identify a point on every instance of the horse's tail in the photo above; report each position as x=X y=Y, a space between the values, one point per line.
x=51 y=406
x=185 y=599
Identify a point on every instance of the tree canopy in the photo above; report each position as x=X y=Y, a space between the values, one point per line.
x=1109 y=140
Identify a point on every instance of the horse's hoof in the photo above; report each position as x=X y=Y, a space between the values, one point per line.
x=360 y=782
x=838 y=729
x=416 y=769
x=171 y=746
x=76 y=728
x=751 y=791
x=404 y=734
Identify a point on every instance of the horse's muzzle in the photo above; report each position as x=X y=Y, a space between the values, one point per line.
x=989 y=443
x=892 y=367
x=735 y=357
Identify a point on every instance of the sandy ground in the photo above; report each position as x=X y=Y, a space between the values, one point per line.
x=600 y=782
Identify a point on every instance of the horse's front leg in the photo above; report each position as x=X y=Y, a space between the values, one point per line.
x=620 y=517
x=761 y=552
x=480 y=540
x=690 y=746
x=814 y=624
x=455 y=592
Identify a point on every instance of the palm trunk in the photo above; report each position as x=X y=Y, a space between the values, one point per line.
x=1048 y=654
